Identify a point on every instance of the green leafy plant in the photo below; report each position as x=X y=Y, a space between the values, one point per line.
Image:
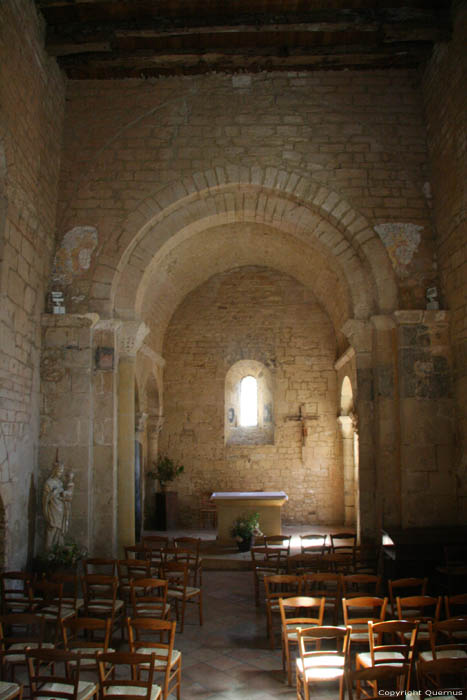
x=60 y=556
x=165 y=470
x=245 y=527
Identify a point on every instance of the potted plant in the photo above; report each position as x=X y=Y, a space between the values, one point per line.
x=165 y=470
x=244 y=529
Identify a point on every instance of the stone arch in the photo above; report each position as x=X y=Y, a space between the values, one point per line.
x=285 y=200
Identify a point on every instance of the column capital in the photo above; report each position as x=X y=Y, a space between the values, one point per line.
x=131 y=337
x=152 y=355
x=359 y=333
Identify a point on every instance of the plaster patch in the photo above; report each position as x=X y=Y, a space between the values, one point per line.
x=74 y=256
x=401 y=242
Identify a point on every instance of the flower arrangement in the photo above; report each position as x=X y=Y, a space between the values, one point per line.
x=65 y=555
x=165 y=470
x=245 y=527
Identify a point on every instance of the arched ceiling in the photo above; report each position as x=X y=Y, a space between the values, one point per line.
x=184 y=263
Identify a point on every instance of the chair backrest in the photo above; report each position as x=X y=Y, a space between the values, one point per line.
x=309 y=645
x=357 y=585
x=150 y=633
x=304 y=562
x=313 y=543
x=277 y=544
x=149 y=597
x=177 y=575
x=79 y=633
x=323 y=583
x=44 y=671
x=362 y=610
x=402 y=636
x=118 y=672
x=48 y=596
x=135 y=551
x=343 y=541
x=192 y=543
x=100 y=594
x=129 y=569
x=376 y=674
x=70 y=583
x=447 y=673
x=405 y=587
x=100 y=565
x=15 y=591
x=448 y=635
x=291 y=607
x=456 y=605
x=21 y=628
x=418 y=607
x=282 y=586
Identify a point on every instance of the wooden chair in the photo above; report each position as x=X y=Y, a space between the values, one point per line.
x=373 y=675
x=291 y=620
x=456 y=605
x=70 y=582
x=168 y=660
x=10 y=691
x=279 y=586
x=149 y=598
x=303 y=563
x=191 y=555
x=327 y=585
x=15 y=589
x=442 y=675
x=48 y=602
x=318 y=665
x=448 y=639
x=119 y=678
x=358 y=585
x=423 y=608
x=156 y=547
x=358 y=612
x=129 y=569
x=46 y=681
x=178 y=576
x=313 y=544
x=398 y=652
x=103 y=566
x=278 y=548
x=403 y=587
x=207 y=511
x=344 y=544
x=100 y=599
x=135 y=551
x=19 y=631
x=262 y=566
x=79 y=637
x=367 y=559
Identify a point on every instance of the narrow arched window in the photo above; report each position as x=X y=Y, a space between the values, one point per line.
x=248 y=402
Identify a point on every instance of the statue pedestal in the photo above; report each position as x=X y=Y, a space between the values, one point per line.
x=166 y=510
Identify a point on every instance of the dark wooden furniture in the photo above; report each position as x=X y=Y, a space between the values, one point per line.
x=166 y=510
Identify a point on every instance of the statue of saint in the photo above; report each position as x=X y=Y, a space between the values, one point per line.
x=56 y=505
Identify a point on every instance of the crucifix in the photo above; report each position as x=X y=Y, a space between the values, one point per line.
x=303 y=418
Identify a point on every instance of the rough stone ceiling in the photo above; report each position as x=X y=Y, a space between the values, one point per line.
x=98 y=39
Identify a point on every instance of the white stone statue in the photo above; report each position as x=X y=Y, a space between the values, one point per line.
x=56 y=505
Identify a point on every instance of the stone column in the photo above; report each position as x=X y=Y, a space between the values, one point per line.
x=346 y=426
x=360 y=337
x=132 y=334
x=429 y=485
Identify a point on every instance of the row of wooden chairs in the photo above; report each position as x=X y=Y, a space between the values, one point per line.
x=146 y=636
x=318 y=663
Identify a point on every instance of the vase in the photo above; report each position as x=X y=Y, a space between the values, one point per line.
x=245 y=544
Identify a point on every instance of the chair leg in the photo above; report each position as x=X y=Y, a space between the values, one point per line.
x=183 y=614
x=200 y=608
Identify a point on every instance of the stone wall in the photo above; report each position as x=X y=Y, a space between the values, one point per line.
x=32 y=105
x=445 y=105
x=254 y=313
x=358 y=134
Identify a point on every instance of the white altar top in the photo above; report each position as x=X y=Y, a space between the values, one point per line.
x=256 y=495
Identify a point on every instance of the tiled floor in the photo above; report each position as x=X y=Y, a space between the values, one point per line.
x=229 y=657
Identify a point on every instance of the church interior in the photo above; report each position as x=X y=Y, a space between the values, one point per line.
x=192 y=193
x=233 y=265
